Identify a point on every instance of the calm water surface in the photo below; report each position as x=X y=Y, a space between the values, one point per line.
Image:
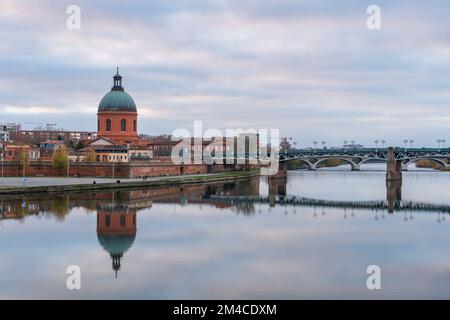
x=217 y=241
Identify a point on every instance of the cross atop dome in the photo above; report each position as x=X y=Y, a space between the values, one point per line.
x=117 y=81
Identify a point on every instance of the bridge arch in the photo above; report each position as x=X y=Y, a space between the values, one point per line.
x=441 y=162
x=354 y=165
x=372 y=160
x=308 y=163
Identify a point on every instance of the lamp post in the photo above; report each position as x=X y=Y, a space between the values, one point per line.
x=1 y=156
x=443 y=143
x=323 y=144
x=383 y=142
x=411 y=141
x=315 y=146
x=353 y=143
x=68 y=165
x=406 y=143
x=439 y=144
x=345 y=145
x=23 y=164
x=376 y=145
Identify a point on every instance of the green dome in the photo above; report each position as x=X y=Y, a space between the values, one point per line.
x=117 y=101
x=116 y=244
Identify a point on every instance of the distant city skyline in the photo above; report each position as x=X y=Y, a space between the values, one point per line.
x=313 y=69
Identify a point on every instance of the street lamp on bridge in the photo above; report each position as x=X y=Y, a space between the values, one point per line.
x=376 y=145
x=443 y=143
x=323 y=144
x=411 y=141
x=383 y=142
x=406 y=143
x=315 y=146
x=439 y=144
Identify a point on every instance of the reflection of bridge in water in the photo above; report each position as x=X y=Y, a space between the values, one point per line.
x=278 y=195
x=301 y=201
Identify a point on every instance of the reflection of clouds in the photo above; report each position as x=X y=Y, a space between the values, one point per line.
x=216 y=253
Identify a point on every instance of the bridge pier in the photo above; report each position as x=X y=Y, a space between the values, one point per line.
x=356 y=167
x=393 y=194
x=393 y=180
x=394 y=167
x=277 y=187
x=282 y=170
x=404 y=167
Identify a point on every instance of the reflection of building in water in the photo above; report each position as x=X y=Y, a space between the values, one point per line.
x=239 y=188
x=116 y=230
x=18 y=209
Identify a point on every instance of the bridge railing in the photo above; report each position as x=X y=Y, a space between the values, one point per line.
x=363 y=150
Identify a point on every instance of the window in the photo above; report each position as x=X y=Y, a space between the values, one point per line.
x=134 y=126
x=122 y=220
x=108 y=125
x=123 y=125
x=107 y=220
x=98 y=125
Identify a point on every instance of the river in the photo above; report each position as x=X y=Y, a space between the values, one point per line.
x=234 y=241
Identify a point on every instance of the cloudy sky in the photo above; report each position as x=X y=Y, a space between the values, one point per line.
x=310 y=68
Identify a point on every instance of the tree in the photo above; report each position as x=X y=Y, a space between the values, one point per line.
x=23 y=160
x=79 y=146
x=40 y=163
x=60 y=159
x=91 y=156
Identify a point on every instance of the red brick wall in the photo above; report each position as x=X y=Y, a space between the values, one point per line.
x=102 y=169
x=154 y=170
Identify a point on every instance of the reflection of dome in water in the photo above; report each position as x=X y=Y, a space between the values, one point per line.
x=116 y=246
x=116 y=230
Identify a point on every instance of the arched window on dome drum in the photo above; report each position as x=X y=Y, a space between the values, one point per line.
x=98 y=125
x=134 y=126
x=108 y=125
x=123 y=125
